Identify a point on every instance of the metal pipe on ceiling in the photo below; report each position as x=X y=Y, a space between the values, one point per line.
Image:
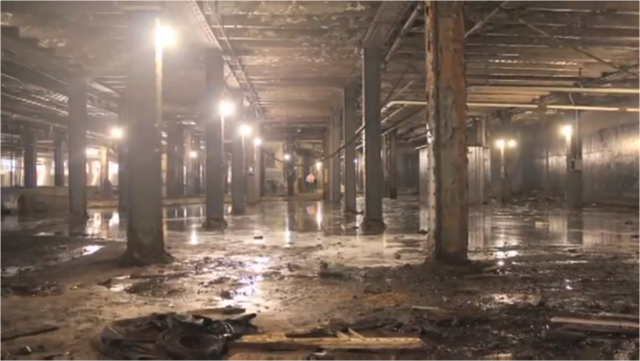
x=403 y=32
x=594 y=108
x=553 y=89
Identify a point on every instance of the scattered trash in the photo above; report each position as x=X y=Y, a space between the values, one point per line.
x=172 y=336
x=258 y=237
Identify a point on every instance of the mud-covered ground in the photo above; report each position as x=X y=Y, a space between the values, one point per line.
x=303 y=264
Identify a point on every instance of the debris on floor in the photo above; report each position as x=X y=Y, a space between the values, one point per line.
x=172 y=336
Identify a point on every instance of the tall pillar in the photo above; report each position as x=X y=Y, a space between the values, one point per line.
x=372 y=134
x=105 y=187
x=215 y=170
x=392 y=161
x=263 y=171
x=326 y=168
x=175 y=161
x=349 y=121
x=78 y=149
x=334 y=162
x=258 y=167
x=123 y=164
x=238 y=179
x=249 y=164
x=188 y=162
x=196 y=165
x=574 y=167
x=446 y=117
x=145 y=237
x=289 y=169
x=58 y=162
x=30 y=159
x=385 y=166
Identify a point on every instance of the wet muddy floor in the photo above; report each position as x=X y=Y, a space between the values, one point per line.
x=300 y=264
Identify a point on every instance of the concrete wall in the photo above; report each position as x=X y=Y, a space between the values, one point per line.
x=610 y=152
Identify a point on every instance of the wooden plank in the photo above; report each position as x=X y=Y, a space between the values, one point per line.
x=342 y=343
x=584 y=321
x=12 y=335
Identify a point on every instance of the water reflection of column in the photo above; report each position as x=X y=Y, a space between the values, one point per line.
x=476 y=231
x=575 y=229
x=558 y=228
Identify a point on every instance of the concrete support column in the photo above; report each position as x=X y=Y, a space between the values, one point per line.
x=30 y=159
x=105 y=184
x=349 y=120
x=123 y=164
x=334 y=162
x=58 y=162
x=238 y=179
x=78 y=149
x=289 y=169
x=175 y=161
x=262 y=167
x=188 y=162
x=196 y=165
x=385 y=166
x=392 y=183
x=446 y=117
x=215 y=170
x=145 y=237
x=574 y=167
x=250 y=170
x=372 y=60
x=326 y=167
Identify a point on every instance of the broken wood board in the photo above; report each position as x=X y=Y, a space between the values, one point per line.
x=300 y=355
x=12 y=335
x=346 y=342
x=586 y=321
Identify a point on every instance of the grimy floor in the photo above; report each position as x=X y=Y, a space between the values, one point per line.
x=302 y=263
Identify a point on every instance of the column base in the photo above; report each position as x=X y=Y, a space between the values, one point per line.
x=372 y=225
x=214 y=224
x=131 y=258
x=237 y=212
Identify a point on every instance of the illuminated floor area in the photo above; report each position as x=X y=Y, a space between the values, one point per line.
x=302 y=263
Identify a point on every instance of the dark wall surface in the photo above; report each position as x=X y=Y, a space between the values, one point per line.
x=610 y=152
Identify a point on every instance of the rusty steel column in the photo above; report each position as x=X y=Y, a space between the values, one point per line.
x=123 y=164
x=392 y=143
x=349 y=100
x=334 y=162
x=371 y=76
x=574 y=166
x=145 y=237
x=30 y=158
x=58 y=162
x=446 y=116
x=215 y=170
x=78 y=149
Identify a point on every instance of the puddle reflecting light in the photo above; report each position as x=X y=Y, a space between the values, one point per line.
x=500 y=263
x=193 y=237
x=91 y=249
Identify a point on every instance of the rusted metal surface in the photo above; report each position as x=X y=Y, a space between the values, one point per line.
x=446 y=116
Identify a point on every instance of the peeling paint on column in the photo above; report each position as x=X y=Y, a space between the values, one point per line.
x=446 y=115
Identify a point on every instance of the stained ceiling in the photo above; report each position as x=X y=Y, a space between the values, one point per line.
x=291 y=59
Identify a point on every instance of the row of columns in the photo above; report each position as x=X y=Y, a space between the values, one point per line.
x=140 y=153
x=446 y=117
